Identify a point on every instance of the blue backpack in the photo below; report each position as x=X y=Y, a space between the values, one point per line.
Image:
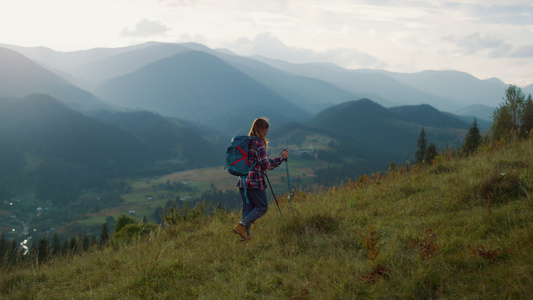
x=237 y=158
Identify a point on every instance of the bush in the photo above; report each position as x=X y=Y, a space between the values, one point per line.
x=501 y=187
x=122 y=221
x=131 y=232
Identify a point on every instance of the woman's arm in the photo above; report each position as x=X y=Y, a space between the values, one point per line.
x=267 y=163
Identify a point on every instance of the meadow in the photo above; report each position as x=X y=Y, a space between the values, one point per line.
x=458 y=228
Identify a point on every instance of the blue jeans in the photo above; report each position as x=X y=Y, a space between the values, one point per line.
x=255 y=209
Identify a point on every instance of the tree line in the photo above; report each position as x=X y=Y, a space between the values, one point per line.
x=513 y=119
x=43 y=250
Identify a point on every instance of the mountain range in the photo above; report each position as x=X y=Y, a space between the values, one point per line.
x=197 y=86
x=303 y=89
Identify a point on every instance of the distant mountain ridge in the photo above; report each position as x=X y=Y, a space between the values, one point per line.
x=393 y=132
x=53 y=149
x=428 y=116
x=460 y=86
x=169 y=138
x=20 y=76
x=59 y=151
x=198 y=86
x=445 y=90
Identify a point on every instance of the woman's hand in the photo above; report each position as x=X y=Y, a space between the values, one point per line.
x=285 y=154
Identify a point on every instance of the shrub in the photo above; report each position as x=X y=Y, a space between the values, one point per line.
x=122 y=221
x=132 y=231
x=501 y=187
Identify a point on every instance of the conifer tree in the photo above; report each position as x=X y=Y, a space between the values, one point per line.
x=43 y=250
x=431 y=152
x=73 y=245
x=13 y=252
x=110 y=223
x=85 y=242
x=33 y=250
x=507 y=117
x=56 y=245
x=3 y=247
x=420 y=154
x=472 y=139
x=104 y=236
x=66 y=247
x=4 y=250
x=527 y=118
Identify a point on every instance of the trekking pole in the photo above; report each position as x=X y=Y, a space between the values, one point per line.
x=289 y=183
x=271 y=189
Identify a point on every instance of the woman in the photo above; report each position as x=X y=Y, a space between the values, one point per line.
x=257 y=204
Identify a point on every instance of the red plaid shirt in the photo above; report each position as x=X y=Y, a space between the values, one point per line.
x=257 y=153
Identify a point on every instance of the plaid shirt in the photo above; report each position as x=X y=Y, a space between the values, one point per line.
x=257 y=153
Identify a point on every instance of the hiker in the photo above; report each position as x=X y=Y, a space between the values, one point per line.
x=256 y=205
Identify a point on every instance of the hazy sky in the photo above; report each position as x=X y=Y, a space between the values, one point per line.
x=486 y=38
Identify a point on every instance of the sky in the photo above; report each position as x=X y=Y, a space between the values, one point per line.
x=486 y=38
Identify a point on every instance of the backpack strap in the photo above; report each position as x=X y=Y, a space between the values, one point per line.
x=243 y=180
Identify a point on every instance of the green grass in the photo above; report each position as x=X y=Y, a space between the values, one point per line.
x=459 y=229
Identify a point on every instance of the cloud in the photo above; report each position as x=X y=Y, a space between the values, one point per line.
x=265 y=44
x=525 y=51
x=474 y=43
x=145 y=28
x=177 y=3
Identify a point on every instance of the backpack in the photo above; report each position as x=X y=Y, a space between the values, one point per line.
x=237 y=158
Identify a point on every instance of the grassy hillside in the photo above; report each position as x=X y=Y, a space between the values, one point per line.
x=460 y=228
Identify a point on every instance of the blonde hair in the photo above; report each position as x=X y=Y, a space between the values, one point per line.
x=258 y=129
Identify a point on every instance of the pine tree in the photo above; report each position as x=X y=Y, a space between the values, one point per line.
x=507 y=117
x=13 y=253
x=431 y=152
x=66 y=247
x=110 y=223
x=472 y=139
x=85 y=243
x=3 y=245
x=4 y=249
x=515 y=100
x=420 y=154
x=73 y=245
x=527 y=118
x=43 y=250
x=104 y=236
x=56 y=245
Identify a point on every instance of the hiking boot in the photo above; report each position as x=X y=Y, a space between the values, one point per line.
x=249 y=238
x=240 y=230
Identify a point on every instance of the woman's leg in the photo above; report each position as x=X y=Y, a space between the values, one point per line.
x=246 y=207
x=258 y=203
